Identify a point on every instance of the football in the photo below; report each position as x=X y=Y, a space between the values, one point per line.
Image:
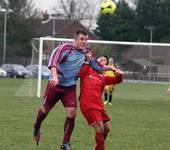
x=108 y=7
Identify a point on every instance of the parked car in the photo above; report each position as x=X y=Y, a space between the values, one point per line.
x=3 y=73
x=34 y=70
x=16 y=70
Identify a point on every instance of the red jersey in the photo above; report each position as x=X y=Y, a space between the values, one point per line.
x=92 y=84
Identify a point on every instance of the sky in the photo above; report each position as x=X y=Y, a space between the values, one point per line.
x=44 y=4
x=47 y=4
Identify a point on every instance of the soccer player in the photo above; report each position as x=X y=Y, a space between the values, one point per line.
x=91 y=88
x=65 y=63
x=108 y=92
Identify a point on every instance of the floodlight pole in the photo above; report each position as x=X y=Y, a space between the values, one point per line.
x=53 y=32
x=5 y=26
x=51 y=17
x=150 y=28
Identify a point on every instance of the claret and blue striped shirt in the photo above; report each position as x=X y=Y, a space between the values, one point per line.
x=68 y=61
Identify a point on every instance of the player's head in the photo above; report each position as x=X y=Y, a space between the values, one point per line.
x=111 y=60
x=81 y=38
x=103 y=60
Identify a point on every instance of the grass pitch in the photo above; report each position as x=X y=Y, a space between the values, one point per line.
x=140 y=120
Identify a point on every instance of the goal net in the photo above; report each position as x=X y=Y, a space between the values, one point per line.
x=142 y=62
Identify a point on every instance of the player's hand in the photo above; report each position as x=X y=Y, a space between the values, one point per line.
x=54 y=81
x=88 y=56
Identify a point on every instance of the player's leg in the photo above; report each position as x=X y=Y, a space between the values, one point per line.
x=70 y=105
x=68 y=127
x=51 y=96
x=96 y=118
x=102 y=130
x=106 y=94
x=99 y=135
x=106 y=129
x=41 y=115
x=111 y=89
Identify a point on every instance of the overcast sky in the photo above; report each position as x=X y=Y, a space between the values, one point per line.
x=44 y=4
x=47 y=4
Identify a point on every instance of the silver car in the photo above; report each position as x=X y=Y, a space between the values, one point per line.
x=16 y=70
x=3 y=73
x=45 y=74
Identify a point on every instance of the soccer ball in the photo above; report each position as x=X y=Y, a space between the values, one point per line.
x=108 y=7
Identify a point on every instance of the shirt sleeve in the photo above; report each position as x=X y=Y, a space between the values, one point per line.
x=93 y=62
x=84 y=70
x=113 y=80
x=58 y=55
x=95 y=65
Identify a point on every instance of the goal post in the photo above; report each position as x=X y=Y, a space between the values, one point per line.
x=141 y=61
x=39 y=68
x=40 y=59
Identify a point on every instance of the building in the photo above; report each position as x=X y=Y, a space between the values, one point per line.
x=58 y=27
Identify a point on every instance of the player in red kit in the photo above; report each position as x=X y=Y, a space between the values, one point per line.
x=92 y=84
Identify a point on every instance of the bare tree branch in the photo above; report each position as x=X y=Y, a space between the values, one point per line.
x=64 y=8
x=82 y=10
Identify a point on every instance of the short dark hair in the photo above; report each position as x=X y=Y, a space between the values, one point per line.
x=80 y=32
x=106 y=58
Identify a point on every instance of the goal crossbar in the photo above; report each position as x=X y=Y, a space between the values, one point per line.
x=89 y=41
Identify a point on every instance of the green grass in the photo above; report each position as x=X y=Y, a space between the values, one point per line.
x=140 y=120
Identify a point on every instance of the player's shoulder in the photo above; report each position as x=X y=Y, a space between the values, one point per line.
x=65 y=47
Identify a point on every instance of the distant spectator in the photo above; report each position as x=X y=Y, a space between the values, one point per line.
x=168 y=90
x=108 y=91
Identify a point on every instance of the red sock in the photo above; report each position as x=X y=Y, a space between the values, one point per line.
x=40 y=117
x=68 y=129
x=99 y=141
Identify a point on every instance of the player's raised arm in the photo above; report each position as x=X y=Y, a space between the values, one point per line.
x=85 y=68
x=115 y=79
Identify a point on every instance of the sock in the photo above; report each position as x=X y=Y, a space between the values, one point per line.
x=40 y=117
x=105 y=96
x=110 y=97
x=99 y=141
x=68 y=129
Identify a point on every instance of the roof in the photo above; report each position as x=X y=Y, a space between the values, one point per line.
x=142 y=52
x=142 y=62
x=63 y=28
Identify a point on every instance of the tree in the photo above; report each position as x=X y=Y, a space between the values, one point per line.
x=120 y=26
x=82 y=10
x=147 y=14
x=130 y=24
x=153 y=13
x=2 y=3
x=163 y=28
x=22 y=26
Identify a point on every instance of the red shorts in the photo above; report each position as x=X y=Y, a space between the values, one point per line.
x=67 y=95
x=93 y=115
